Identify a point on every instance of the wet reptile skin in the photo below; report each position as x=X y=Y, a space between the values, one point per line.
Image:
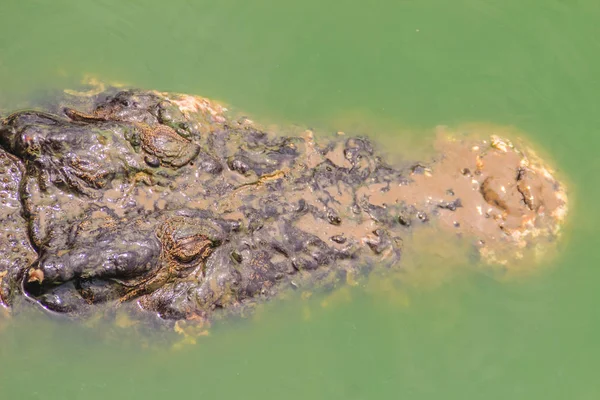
x=164 y=200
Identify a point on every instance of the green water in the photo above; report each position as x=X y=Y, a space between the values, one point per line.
x=409 y=64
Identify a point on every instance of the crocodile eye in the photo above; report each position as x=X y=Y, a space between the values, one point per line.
x=188 y=249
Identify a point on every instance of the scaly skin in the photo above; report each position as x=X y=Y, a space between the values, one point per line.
x=162 y=143
x=164 y=200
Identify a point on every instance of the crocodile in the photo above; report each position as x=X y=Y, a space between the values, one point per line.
x=168 y=202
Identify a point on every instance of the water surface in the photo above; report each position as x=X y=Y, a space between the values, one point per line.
x=387 y=68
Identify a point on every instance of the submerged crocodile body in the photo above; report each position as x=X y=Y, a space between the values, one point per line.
x=164 y=200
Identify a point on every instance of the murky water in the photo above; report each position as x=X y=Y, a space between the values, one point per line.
x=388 y=68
